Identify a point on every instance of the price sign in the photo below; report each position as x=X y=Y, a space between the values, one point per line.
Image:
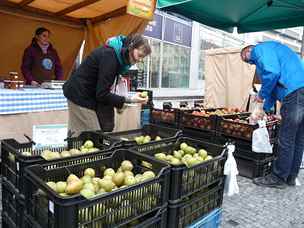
x=50 y=135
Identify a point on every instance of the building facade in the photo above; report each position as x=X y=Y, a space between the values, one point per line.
x=175 y=69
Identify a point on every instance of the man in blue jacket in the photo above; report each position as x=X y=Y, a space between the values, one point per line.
x=281 y=73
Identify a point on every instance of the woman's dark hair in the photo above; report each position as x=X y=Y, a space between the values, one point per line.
x=41 y=30
x=134 y=41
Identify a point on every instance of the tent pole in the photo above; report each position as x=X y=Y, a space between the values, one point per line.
x=302 y=45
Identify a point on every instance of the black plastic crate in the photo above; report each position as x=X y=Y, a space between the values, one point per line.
x=243 y=130
x=208 y=136
x=184 y=213
x=108 y=210
x=157 y=219
x=203 y=119
x=243 y=149
x=13 y=206
x=191 y=120
x=126 y=138
x=95 y=136
x=14 y=162
x=254 y=168
x=187 y=181
x=165 y=117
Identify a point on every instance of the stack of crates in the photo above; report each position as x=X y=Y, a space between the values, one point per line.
x=250 y=163
x=178 y=196
x=15 y=158
x=195 y=190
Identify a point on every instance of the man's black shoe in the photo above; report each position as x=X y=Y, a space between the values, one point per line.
x=270 y=181
x=291 y=181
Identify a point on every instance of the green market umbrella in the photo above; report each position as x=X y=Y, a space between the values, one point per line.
x=246 y=15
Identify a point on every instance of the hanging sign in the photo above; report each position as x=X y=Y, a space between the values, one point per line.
x=141 y=8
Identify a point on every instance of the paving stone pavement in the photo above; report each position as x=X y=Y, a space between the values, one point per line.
x=258 y=207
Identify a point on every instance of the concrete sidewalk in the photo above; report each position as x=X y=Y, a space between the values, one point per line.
x=258 y=207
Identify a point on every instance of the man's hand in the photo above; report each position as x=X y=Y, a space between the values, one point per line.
x=258 y=99
x=257 y=113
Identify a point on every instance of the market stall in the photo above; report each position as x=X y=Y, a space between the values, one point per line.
x=72 y=24
x=21 y=109
x=152 y=176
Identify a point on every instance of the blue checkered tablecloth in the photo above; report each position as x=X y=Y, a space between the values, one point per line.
x=31 y=100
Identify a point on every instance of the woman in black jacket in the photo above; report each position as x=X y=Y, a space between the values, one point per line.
x=89 y=87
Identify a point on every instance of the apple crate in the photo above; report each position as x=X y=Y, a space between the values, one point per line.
x=166 y=117
x=14 y=161
x=204 y=119
x=237 y=126
x=196 y=119
x=127 y=138
x=184 y=213
x=113 y=209
x=186 y=181
x=13 y=206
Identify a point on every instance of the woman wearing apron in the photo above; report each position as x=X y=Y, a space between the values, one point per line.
x=40 y=60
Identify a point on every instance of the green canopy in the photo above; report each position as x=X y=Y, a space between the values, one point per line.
x=246 y=15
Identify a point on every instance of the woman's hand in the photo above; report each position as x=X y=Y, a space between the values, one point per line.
x=34 y=83
x=138 y=99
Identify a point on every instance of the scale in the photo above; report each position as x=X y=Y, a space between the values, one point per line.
x=52 y=84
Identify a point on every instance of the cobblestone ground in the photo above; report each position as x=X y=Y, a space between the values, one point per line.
x=258 y=207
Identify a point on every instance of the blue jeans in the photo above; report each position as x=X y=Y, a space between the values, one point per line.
x=291 y=136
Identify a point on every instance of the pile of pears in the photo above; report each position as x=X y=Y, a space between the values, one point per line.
x=145 y=139
x=87 y=147
x=186 y=155
x=90 y=185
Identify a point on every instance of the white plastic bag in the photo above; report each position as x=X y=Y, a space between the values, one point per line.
x=257 y=113
x=260 y=139
x=120 y=87
x=231 y=171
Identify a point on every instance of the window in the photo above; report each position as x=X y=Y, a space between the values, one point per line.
x=205 y=45
x=175 y=66
x=151 y=65
x=154 y=68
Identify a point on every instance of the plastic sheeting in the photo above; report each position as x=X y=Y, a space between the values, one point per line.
x=228 y=79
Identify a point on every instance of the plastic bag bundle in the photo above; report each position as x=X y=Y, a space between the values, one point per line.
x=231 y=171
